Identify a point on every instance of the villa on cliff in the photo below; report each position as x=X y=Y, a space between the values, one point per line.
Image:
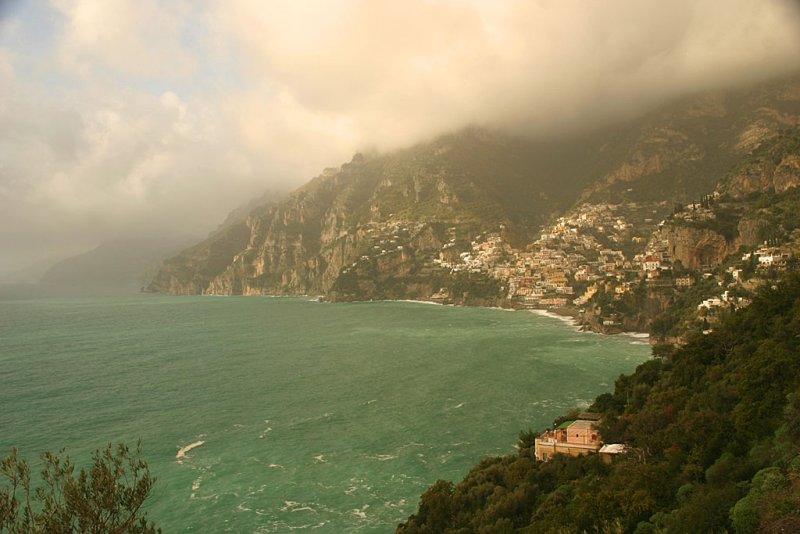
x=576 y=438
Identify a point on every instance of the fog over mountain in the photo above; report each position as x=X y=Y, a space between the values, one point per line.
x=126 y=118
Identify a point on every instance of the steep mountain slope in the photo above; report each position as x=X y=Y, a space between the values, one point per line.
x=473 y=181
x=756 y=201
x=682 y=150
x=372 y=228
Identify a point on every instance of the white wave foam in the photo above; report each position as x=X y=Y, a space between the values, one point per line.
x=640 y=335
x=411 y=301
x=320 y=458
x=361 y=514
x=287 y=505
x=458 y=406
x=265 y=432
x=395 y=505
x=564 y=319
x=383 y=457
x=292 y=506
x=182 y=452
x=304 y=509
x=275 y=466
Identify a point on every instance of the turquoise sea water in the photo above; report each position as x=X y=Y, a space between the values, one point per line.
x=323 y=417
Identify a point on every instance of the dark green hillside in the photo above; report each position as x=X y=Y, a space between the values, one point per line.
x=714 y=434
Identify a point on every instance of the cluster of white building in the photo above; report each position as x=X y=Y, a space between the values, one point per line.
x=566 y=255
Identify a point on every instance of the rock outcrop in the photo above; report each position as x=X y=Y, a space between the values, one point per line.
x=765 y=176
x=696 y=248
x=682 y=150
x=774 y=167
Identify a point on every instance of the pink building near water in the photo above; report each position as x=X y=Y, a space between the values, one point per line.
x=576 y=438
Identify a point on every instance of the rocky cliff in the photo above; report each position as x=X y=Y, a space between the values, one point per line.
x=754 y=201
x=372 y=227
x=696 y=248
x=392 y=209
x=774 y=167
x=684 y=149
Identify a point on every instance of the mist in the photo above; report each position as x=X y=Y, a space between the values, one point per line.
x=125 y=118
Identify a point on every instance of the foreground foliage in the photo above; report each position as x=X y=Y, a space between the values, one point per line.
x=106 y=498
x=714 y=435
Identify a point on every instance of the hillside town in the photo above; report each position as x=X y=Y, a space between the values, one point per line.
x=595 y=251
x=604 y=264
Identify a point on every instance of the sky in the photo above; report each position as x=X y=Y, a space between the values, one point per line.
x=123 y=118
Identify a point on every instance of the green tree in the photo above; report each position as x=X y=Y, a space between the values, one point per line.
x=105 y=498
x=526 y=441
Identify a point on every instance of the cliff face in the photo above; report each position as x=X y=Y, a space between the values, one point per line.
x=295 y=247
x=753 y=203
x=383 y=208
x=192 y=270
x=705 y=248
x=772 y=167
x=696 y=248
x=682 y=150
x=371 y=228
x=766 y=176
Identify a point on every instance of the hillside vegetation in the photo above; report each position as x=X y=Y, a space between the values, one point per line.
x=713 y=432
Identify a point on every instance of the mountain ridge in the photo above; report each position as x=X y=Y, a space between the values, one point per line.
x=473 y=181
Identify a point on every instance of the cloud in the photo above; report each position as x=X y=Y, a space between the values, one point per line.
x=86 y=167
x=137 y=116
x=398 y=70
x=138 y=39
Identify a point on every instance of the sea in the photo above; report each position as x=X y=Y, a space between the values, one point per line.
x=313 y=416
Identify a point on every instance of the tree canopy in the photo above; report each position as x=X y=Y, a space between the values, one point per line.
x=105 y=498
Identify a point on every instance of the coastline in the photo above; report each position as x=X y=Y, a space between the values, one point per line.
x=567 y=316
x=572 y=317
